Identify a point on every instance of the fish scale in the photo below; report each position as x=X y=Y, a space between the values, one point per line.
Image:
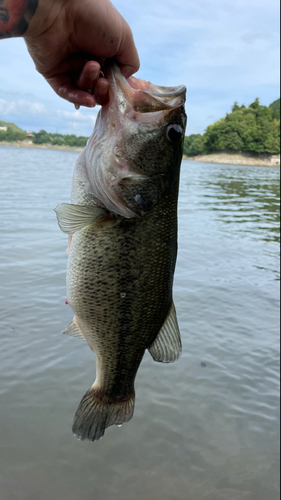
x=123 y=247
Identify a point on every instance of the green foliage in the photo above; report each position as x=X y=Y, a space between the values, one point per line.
x=11 y=126
x=73 y=140
x=275 y=105
x=11 y=135
x=193 y=145
x=41 y=137
x=15 y=134
x=253 y=129
x=44 y=137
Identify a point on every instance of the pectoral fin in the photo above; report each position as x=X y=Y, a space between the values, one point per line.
x=167 y=347
x=72 y=218
x=74 y=330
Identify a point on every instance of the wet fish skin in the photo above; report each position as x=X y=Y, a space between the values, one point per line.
x=121 y=267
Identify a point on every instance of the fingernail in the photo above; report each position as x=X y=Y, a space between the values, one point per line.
x=94 y=73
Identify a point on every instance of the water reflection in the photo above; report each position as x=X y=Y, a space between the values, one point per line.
x=251 y=200
x=205 y=428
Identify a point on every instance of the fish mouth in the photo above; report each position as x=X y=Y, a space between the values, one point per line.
x=143 y=96
x=136 y=116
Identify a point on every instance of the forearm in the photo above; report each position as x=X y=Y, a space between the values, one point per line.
x=26 y=17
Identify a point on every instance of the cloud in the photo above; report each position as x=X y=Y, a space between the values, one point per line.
x=35 y=116
x=78 y=116
x=11 y=107
x=252 y=37
x=223 y=51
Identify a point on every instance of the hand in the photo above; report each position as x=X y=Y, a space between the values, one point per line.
x=68 y=41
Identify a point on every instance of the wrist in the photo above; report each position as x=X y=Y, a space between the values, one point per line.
x=46 y=13
x=27 y=18
x=15 y=16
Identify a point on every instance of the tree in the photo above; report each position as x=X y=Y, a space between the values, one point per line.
x=235 y=107
x=193 y=145
x=255 y=104
x=12 y=135
x=255 y=129
x=41 y=137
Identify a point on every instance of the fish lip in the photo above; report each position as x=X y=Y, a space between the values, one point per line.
x=143 y=96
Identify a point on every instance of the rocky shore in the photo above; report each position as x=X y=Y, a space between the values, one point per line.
x=237 y=159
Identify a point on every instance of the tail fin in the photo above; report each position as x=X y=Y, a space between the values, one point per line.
x=93 y=417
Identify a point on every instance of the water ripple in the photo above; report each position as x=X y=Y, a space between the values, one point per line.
x=205 y=428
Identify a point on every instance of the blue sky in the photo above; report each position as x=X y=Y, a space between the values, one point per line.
x=223 y=51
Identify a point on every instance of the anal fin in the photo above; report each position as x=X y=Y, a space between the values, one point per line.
x=74 y=330
x=167 y=347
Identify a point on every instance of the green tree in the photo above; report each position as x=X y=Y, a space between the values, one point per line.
x=12 y=135
x=193 y=145
x=254 y=129
x=41 y=137
x=235 y=107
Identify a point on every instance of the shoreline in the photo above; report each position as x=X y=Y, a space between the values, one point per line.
x=221 y=158
x=22 y=144
x=234 y=159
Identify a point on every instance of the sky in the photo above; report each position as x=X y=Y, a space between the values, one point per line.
x=223 y=51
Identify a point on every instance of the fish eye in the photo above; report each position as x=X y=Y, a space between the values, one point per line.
x=174 y=133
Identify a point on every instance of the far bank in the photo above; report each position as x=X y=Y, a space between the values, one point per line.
x=29 y=144
x=236 y=159
x=223 y=158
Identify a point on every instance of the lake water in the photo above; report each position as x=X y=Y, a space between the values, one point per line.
x=206 y=427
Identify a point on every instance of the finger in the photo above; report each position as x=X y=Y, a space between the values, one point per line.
x=89 y=76
x=127 y=55
x=90 y=81
x=63 y=86
x=102 y=91
x=72 y=65
x=76 y=96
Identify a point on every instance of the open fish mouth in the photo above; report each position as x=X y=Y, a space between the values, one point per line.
x=143 y=96
x=141 y=121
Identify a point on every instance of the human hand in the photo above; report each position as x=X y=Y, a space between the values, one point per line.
x=68 y=41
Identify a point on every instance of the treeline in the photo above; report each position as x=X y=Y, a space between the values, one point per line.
x=12 y=135
x=42 y=137
x=254 y=129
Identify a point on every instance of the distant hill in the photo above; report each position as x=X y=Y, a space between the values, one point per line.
x=275 y=105
x=15 y=134
x=254 y=130
x=11 y=126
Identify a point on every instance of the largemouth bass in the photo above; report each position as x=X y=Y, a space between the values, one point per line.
x=122 y=226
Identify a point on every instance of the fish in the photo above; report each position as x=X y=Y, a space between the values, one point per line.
x=122 y=227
